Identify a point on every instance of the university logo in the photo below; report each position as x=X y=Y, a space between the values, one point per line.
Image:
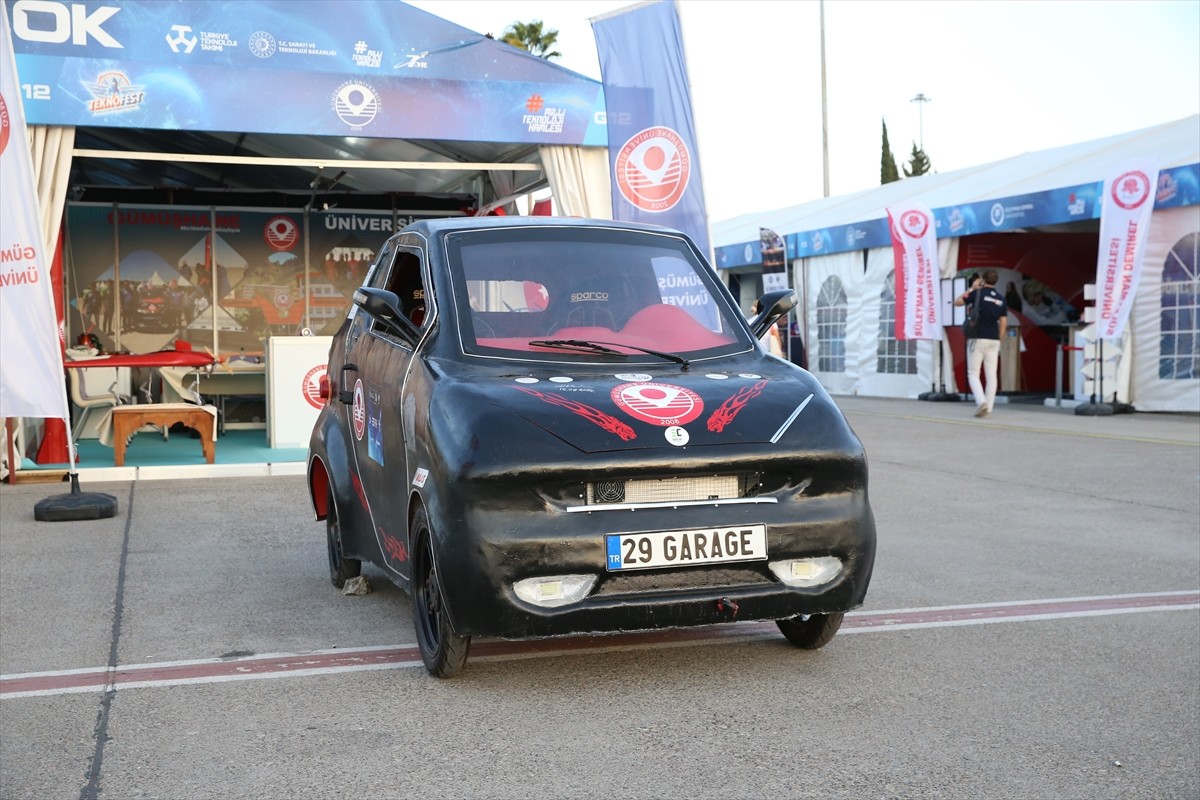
x=5 y=125
x=1131 y=189
x=355 y=103
x=281 y=233
x=311 y=386
x=358 y=411
x=914 y=224
x=653 y=169
x=658 y=403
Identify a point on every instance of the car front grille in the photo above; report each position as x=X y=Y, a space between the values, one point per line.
x=669 y=490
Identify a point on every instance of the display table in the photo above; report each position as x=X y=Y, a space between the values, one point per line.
x=235 y=378
x=128 y=420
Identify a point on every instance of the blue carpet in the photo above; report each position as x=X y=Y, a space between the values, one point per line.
x=148 y=449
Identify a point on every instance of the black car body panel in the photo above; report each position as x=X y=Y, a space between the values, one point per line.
x=527 y=449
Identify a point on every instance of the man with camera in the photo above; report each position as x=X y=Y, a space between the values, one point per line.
x=983 y=347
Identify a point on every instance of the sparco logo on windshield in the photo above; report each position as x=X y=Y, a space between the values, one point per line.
x=653 y=169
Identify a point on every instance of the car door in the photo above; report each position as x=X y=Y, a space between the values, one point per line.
x=376 y=365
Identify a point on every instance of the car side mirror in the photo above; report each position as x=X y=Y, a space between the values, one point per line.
x=382 y=305
x=774 y=304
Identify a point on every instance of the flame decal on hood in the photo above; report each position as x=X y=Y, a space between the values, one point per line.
x=724 y=415
x=595 y=415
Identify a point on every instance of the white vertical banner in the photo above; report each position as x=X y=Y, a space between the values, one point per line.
x=1127 y=203
x=918 y=293
x=31 y=371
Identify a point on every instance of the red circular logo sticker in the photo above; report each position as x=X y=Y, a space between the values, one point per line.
x=653 y=169
x=281 y=233
x=5 y=124
x=312 y=386
x=658 y=403
x=1131 y=189
x=914 y=223
x=358 y=411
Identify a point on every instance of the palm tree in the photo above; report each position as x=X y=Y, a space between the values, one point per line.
x=531 y=37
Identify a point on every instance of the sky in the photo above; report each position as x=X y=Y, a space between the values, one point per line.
x=1002 y=78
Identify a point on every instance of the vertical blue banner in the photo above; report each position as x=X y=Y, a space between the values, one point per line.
x=651 y=135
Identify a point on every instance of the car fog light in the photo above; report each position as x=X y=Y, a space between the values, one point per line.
x=807 y=571
x=554 y=590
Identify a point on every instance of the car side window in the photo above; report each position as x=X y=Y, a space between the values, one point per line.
x=379 y=269
x=407 y=282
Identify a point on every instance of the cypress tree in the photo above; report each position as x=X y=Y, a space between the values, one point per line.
x=887 y=169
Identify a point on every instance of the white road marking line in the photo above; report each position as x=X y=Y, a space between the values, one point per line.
x=362 y=659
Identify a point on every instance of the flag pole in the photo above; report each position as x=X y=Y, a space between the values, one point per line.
x=31 y=338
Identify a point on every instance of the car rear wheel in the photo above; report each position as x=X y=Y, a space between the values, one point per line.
x=443 y=651
x=341 y=569
x=810 y=631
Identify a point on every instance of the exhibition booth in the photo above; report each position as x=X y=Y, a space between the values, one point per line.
x=219 y=185
x=1035 y=218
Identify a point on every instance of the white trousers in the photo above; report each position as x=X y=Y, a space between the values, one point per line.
x=983 y=353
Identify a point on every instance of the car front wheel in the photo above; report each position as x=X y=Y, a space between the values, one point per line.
x=811 y=632
x=443 y=651
x=341 y=569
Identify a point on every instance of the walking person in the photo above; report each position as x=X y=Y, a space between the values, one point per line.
x=983 y=349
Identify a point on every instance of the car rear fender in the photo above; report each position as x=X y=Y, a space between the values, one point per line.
x=329 y=465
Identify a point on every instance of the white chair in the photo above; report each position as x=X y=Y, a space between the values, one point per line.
x=86 y=402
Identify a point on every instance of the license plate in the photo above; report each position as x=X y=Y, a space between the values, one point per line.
x=684 y=548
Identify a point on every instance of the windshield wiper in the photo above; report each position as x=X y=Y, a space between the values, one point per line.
x=607 y=347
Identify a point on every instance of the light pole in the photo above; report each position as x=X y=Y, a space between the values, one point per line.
x=824 y=108
x=922 y=99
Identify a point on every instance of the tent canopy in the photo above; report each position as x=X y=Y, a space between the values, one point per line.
x=282 y=98
x=1055 y=187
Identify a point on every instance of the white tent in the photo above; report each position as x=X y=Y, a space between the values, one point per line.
x=1174 y=144
x=842 y=263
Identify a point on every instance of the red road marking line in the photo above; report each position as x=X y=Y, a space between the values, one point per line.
x=46 y=683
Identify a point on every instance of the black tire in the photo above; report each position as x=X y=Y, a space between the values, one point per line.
x=443 y=651
x=810 y=632
x=341 y=569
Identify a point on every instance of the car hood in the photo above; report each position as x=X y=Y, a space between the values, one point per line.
x=638 y=410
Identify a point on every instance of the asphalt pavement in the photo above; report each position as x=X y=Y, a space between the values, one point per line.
x=1032 y=631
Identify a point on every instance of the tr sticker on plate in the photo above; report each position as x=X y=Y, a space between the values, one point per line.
x=684 y=548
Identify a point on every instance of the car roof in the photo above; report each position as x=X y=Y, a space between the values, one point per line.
x=432 y=227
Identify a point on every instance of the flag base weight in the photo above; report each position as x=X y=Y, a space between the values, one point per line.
x=1094 y=409
x=75 y=506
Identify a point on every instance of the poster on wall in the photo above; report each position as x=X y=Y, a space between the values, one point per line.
x=142 y=277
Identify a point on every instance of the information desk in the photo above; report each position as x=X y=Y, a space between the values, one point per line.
x=295 y=368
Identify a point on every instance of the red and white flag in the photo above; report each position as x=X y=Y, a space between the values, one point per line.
x=1128 y=200
x=31 y=369
x=917 y=279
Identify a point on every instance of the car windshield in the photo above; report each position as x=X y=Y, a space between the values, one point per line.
x=588 y=293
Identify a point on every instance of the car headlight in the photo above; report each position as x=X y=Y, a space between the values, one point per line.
x=807 y=571
x=554 y=590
